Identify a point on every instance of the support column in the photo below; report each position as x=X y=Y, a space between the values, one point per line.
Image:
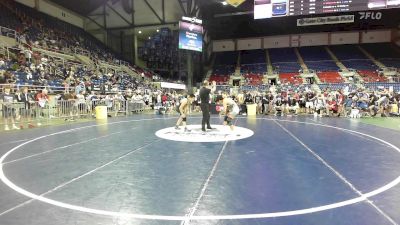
x=105 y=25
x=37 y=5
x=189 y=72
x=135 y=49
x=122 y=43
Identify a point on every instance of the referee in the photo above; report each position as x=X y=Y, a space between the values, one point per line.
x=205 y=103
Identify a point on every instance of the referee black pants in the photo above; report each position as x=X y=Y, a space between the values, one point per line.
x=205 y=108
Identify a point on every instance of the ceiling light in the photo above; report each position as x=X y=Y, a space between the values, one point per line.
x=224 y=3
x=140 y=31
x=158 y=30
x=149 y=38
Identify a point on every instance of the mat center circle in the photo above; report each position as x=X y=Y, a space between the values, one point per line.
x=193 y=133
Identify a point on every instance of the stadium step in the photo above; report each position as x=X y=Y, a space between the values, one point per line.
x=53 y=54
x=316 y=88
x=337 y=61
x=208 y=75
x=317 y=80
x=301 y=61
x=397 y=38
x=131 y=72
x=270 y=71
x=369 y=56
x=239 y=59
x=358 y=76
x=84 y=59
x=7 y=41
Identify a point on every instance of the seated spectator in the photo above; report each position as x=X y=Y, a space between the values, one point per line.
x=332 y=106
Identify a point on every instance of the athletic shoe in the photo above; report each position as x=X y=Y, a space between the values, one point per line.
x=6 y=127
x=211 y=128
x=21 y=127
x=30 y=126
x=177 y=128
x=187 y=130
x=15 y=127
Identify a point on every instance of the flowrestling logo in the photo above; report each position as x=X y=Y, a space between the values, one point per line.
x=195 y=134
x=370 y=15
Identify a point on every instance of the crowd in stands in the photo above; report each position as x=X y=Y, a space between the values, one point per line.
x=301 y=99
x=34 y=30
x=326 y=64
x=40 y=30
x=25 y=68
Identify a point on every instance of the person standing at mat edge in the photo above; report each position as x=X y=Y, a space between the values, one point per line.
x=183 y=108
x=230 y=109
x=205 y=92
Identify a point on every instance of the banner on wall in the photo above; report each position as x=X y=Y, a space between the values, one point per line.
x=325 y=20
x=173 y=86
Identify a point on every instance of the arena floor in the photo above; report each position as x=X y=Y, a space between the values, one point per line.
x=292 y=170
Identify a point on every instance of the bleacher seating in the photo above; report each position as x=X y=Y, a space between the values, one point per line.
x=360 y=64
x=317 y=59
x=371 y=76
x=375 y=86
x=386 y=53
x=295 y=87
x=261 y=88
x=284 y=60
x=394 y=62
x=220 y=79
x=45 y=32
x=336 y=87
x=347 y=52
x=224 y=66
x=253 y=62
x=315 y=53
x=292 y=78
x=253 y=79
x=226 y=58
x=260 y=68
x=288 y=67
x=323 y=66
x=382 y=50
x=160 y=52
x=7 y=19
x=223 y=69
x=330 y=77
x=253 y=56
x=278 y=55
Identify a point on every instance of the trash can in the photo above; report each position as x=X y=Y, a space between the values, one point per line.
x=251 y=109
x=101 y=112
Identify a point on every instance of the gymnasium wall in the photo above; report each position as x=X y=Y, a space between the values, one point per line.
x=249 y=44
x=376 y=36
x=54 y=10
x=30 y=3
x=314 y=39
x=342 y=38
x=277 y=41
x=223 y=46
x=396 y=35
x=300 y=40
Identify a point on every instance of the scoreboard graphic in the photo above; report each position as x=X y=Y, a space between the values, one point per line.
x=275 y=8
x=190 y=36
